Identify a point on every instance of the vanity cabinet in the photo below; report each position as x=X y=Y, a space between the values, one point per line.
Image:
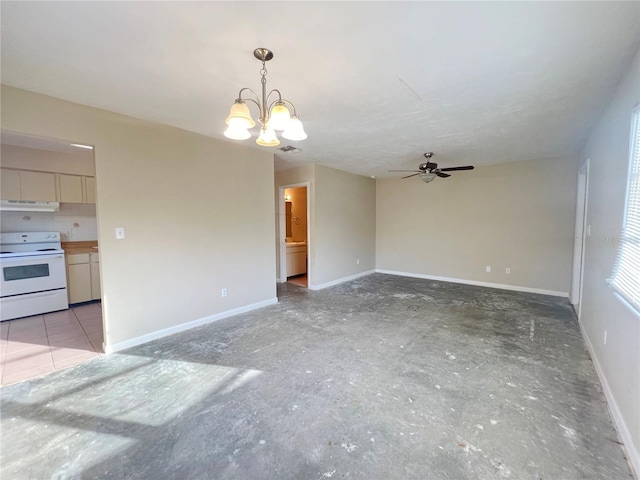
x=27 y=185
x=83 y=277
x=296 y=260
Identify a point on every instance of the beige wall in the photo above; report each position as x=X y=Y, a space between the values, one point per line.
x=33 y=159
x=197 y=212
x=619 y=360
x=518 y=215
x=345 y=225
x=341 y=241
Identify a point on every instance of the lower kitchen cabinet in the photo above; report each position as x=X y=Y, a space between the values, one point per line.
x=94 y=259
x=83 y=277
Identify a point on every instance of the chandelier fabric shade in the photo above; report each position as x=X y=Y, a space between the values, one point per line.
x=274 y=115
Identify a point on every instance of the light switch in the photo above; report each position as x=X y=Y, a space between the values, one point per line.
x=119 y=233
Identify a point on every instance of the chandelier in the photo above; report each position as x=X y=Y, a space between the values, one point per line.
x=273 y=116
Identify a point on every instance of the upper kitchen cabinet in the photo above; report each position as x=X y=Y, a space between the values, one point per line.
x=76 y=189
x=40 y=169
x=10 y=185
x=27 y=185
x=90 y=189
x=70 y=188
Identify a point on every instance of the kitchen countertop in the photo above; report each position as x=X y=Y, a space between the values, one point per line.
x=71 y=248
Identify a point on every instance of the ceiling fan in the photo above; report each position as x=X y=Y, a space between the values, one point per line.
x=429 y=170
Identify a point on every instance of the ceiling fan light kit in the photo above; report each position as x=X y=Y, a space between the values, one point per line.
x=428 y=171
x=427 y=177
x=274 y=115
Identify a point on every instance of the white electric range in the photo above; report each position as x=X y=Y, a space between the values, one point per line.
x=34 y=278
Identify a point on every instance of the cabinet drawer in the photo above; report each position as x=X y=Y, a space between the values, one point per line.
x=77 y=258
x=297 y=249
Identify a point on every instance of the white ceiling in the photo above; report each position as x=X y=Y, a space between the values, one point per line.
x=376 y=84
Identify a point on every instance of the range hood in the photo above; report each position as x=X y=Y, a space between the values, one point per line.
x=28 y=206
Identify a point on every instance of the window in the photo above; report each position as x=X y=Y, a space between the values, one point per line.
x=626 y=272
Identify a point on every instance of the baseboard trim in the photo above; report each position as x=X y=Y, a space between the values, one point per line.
x=478 y=284
x=340 y=280
x=632 y=454
x=116 y=347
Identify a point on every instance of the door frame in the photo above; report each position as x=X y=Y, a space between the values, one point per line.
x=282 y=230
x=581 y=232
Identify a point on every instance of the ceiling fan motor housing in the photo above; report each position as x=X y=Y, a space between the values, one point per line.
x=428 y=166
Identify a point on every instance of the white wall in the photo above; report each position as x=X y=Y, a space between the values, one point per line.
x=618 y=361
x=197 y=212
x=518 y=215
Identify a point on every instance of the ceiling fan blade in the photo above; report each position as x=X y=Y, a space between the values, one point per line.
x=453 y=169
x=413 y=175
x=442 y=175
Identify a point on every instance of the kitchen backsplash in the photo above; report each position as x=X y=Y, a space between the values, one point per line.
x=75 y=221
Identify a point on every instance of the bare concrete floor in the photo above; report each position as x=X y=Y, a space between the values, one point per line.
x=383 y=377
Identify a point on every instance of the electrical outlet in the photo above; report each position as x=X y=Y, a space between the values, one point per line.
x=119 y=233
x=223 y=292
x=487 y=268
x=507 y=271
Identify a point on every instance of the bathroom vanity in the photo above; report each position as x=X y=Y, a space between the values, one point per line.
x=296 y=258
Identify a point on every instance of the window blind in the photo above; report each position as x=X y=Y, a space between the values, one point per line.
x=626 y=272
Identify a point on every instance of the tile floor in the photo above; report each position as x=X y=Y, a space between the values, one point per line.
x=300 y=280
x=40 y=344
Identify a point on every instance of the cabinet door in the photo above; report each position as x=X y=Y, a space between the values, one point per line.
x=90 y=186
x=10 y=187
x=79 y=282
x=38 y=186
x=95 y=277
x=301 y=262
x=69 y=188
x=296 y=263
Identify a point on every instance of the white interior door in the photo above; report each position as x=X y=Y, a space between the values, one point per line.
x=581 y=232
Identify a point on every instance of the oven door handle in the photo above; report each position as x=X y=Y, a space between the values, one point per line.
x=38 y=259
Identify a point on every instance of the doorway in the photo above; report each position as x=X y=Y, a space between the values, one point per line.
x=580 y=234
x=54 y=340
x=294 y=235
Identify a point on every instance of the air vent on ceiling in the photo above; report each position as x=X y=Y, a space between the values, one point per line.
x=290 y=149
